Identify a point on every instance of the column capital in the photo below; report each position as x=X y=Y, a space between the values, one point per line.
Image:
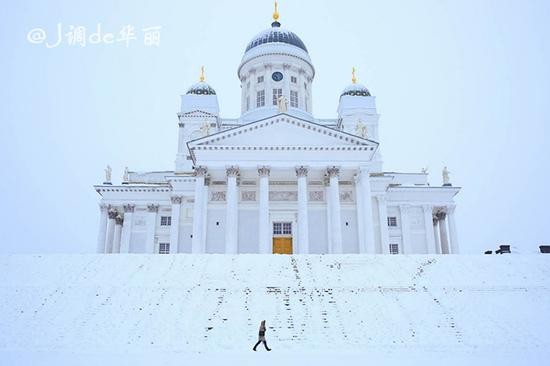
x=232 y=171
x=301 y=171
x=404 y=208
x=441 y=215
x=264 y=171
x=381 y=198
x=333 y=171
x=176 y=200
x=112 y=213
x=153 y=208
x=200 y=171
x=104 y=207
x=435 y=220
x=451 y=208
x=364 y=169
x=129 y=208
x=119 y=220
x=427 y=208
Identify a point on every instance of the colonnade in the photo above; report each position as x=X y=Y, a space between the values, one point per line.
x=440 y=228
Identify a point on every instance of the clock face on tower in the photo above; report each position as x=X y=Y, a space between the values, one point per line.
x=277 y=76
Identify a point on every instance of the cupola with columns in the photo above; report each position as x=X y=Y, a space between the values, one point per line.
x=276 y=64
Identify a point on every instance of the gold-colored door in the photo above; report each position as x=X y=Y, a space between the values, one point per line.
x=282 y=245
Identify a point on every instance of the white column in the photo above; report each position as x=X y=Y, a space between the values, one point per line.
x=335 y=210
x=428 y=227
x=117 y=235
x=329 y=218
x=364 y=185
x=253 y=88
x=127 y=228
x=443 y=232
x=264 y=231
x=436 y=234
x=303 y=218
x=197 y=243
x=360 y=219
x=286 y=83
x=102 y=232
x=110 y=231
x=269 y=85
x=232 y=212
x=152 y=211
x=452 y=229
x=405 y=229
x=205 y=191
x=175 y=224
x=383 y=217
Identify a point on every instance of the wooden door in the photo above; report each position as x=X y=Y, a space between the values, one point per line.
x=282 y=245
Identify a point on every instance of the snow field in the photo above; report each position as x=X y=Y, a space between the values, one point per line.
x=194 y=304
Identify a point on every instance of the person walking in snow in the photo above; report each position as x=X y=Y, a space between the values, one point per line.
x=261 y=337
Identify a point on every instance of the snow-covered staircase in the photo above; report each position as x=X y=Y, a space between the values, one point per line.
x=216 y=302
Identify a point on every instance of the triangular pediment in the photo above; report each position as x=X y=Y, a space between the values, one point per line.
x=283 y=140
x=283 y=131
x=196 y=114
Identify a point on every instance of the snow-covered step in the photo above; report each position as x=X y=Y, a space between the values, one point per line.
x=199 y=303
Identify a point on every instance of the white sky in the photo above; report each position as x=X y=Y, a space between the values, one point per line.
x=459 y=83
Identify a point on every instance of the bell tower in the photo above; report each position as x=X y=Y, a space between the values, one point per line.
x=357 y=114
x=198 y=117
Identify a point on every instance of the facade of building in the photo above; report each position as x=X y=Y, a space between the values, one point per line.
x=277 y=179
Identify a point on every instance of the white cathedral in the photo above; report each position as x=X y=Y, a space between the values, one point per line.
x=277 y=179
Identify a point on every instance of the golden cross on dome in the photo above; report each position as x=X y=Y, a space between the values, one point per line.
x=353 y=76
x=202 y=74
x=276 y=12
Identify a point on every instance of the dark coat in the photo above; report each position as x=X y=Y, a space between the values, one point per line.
x=261 y=333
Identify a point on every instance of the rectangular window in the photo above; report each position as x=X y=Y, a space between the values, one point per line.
x=294 y=99
x=165 y=220
x=282 y=228
x=247 y=103
x=394 y=248
x=260 y=79
x=287 y=228
x=294 y=80
x=260 y=98
x=392 y=221
x=277 y=93
x=164 y=248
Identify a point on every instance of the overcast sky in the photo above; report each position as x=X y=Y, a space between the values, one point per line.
x=459 y=83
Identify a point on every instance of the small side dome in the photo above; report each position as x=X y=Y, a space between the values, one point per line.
x=201 y=88
x=356 y=90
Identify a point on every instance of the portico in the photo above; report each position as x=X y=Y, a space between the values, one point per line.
x=270 y=178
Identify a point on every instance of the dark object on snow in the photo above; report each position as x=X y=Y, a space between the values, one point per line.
x=261 y=337
x=504 y=249
x=488 y=252
x=544 y=248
